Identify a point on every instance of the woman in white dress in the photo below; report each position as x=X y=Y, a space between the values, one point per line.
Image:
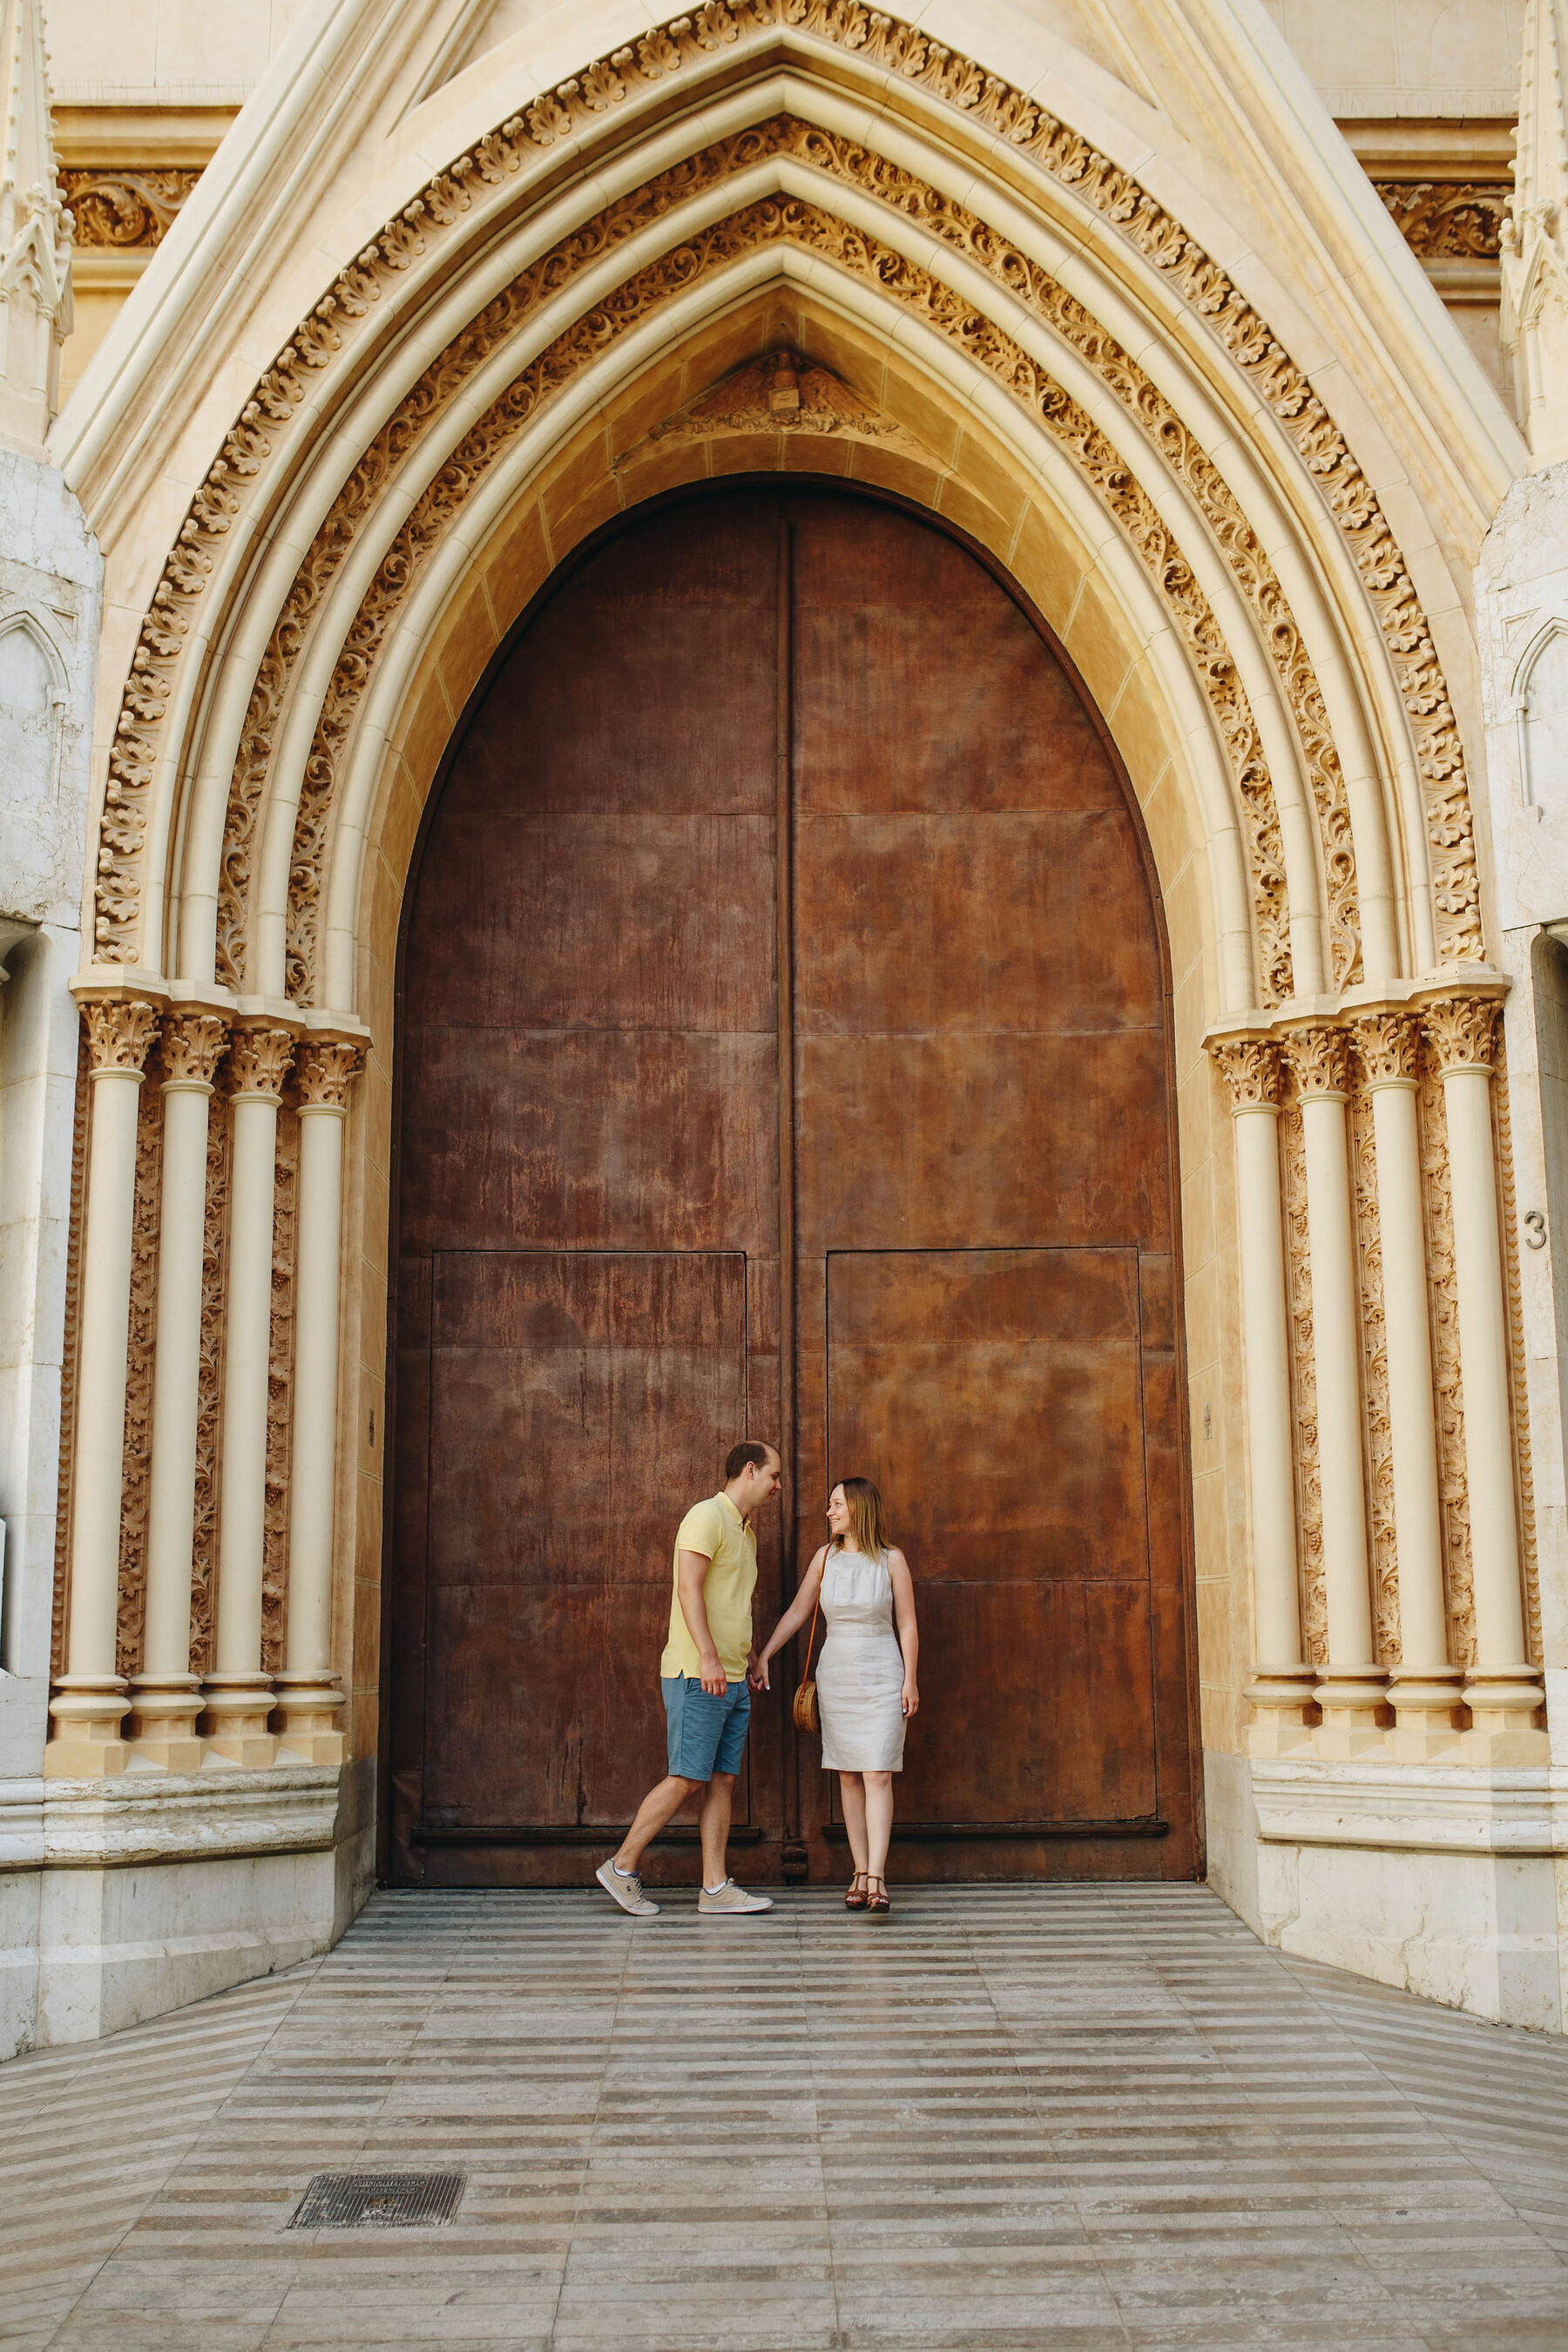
x=866 y=1686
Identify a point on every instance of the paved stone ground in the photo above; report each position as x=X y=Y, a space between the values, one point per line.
x=1096 y=2116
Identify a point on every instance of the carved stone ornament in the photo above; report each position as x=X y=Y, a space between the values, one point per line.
x=324 y=1074
x=119 y=1034
x=1389 y=1045
x=580 y=106
x=258 y=1059
x=1461 y=1033
x=124 y=211
x=1254 y=1070
x=781 y=393
x=194 y=1045
x=1448 y=220
x=1319 y=1060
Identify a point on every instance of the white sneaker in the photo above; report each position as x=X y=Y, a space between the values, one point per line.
x=731 y=1897
x=626 y=1885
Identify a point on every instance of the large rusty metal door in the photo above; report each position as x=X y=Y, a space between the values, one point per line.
x=785 y=1046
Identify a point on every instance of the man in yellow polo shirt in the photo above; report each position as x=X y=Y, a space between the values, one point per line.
x=704 y=1669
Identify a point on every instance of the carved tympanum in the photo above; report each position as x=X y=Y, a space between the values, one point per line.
x=119 y=1033
x=781 y=393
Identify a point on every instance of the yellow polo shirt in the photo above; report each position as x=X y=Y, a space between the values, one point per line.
x=717 y=1530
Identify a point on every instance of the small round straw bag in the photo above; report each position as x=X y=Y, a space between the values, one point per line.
x=806 y=1715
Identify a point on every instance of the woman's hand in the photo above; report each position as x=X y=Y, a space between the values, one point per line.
x=911 y=1697
x=757 y=1672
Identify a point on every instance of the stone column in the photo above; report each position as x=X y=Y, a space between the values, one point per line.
x=1282 y=1684
x=308 y=1690
x=239 y=1694
x=1503 y=1690
x=167 y=1697
x=89 y=1697
x=1424 y=1686
x=1351 y=1687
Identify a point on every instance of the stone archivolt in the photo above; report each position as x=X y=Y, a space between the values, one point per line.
x=998 y=109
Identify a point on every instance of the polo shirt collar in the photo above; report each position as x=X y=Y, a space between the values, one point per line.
x=726 y=1503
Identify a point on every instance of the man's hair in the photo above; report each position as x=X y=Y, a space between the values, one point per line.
x=741 y=1457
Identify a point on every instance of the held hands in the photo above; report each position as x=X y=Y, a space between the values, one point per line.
x=911 y=1697
x=757 y=1673
x=714 y=1676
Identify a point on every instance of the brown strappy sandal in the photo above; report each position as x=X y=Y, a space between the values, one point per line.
x=877 y=1901
x=856 y=1897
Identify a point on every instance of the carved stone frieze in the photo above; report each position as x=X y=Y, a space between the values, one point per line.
x=999 y=110
x=124 y=210
x=853 y=250
x=324 y=1073
x=1254 y=1070
x=1448 y=220
x=258 y=1059
x=1303 y=1385
x=1442 y=1285
x=1320 y=1059
x=1524 y=1474
x=136 y=1471
x=1389 y=1045
x=1378 y=1425
x=194 y=1043
x=119 y=1033
x=1462 y=1033
x=280 y=1392
x=209 y=1390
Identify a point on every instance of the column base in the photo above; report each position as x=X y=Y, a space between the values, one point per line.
x=1354 y=1699
x=1503 y=1703
x=237 y=1709
x=1285 y=1698
x=306 y=1705
x=1426 y=1702
x=88 y=1711
x=163 y=1722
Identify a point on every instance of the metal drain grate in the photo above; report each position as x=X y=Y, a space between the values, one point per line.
x=378 y=2200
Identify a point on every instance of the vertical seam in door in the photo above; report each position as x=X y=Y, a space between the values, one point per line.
x=784 y=920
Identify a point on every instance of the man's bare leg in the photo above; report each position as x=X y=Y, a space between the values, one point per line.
x=657 y=1811
x=713 y=1821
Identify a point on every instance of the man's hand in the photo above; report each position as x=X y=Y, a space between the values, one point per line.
x=713 y=1675
x=756 y=1670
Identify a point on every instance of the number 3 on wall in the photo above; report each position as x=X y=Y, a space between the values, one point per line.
x=1534 y=1229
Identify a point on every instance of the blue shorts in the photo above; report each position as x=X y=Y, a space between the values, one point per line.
x=706 y=1734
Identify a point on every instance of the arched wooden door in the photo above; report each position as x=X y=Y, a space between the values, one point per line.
x=786 y=1049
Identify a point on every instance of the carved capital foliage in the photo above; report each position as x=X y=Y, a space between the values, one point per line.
x=1320 y=1059
x=1253 y=1069
x=194 y=1045
x=324 y=1074
x=1389 y=1045
x=1461 y=1032
x=119 y=1034
x=259 y=1060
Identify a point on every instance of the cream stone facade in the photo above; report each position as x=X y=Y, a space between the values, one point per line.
x=387 y=308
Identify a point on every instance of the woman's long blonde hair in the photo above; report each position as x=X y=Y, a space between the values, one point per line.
x=867 y=1517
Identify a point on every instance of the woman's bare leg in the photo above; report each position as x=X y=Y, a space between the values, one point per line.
x=852 y=1797
x=876 y=1814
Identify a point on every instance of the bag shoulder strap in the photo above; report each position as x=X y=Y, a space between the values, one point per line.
x=811 y=1637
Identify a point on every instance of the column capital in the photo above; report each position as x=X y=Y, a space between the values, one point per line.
x=1320 y=1059
x=1462 y=1033
x=1252 y=1069
x=324 y=1073
x=259 y=1053
x=1389 y=1045
x=121 y=1033
x=194 y=1045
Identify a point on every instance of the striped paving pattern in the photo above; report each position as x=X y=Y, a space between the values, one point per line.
x=1065 y=2117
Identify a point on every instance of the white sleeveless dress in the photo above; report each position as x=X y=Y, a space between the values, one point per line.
x=861 y=1668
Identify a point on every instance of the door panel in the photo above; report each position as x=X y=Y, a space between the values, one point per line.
x=888 y=1173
